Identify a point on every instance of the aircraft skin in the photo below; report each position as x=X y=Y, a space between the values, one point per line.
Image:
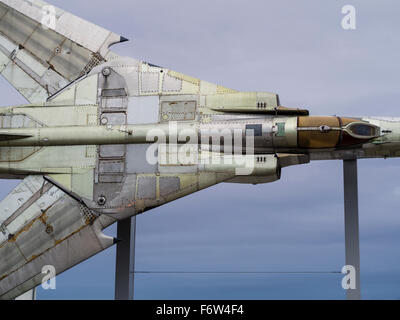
x=81 y=145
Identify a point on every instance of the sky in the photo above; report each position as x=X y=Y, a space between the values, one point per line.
x=299 y=50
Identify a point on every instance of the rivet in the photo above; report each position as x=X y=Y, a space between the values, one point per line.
x=102 y=200
x=104 y=121
x=49 y=229
x=106 y=72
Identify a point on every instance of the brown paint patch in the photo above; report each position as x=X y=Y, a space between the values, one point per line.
x=348 y=140
x=305 y=122
x=346 y=121
x=318 y=139
x=314 y=138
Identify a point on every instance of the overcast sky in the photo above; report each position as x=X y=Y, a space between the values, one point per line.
x=299 y=50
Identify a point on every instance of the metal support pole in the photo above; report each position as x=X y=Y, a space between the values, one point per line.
x=125 y=260
x=351 y=221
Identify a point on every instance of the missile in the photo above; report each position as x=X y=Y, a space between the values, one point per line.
x=92 y=135
x=269 y=133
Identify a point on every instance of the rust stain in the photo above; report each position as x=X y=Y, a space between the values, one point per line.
x=129 y=205
x=14 y=237
x=43 y=218
x=49 y=229
x=56 y=242
x=32 y=258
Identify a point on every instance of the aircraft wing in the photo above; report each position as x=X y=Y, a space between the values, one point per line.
x=41 y=225
x=43 y=48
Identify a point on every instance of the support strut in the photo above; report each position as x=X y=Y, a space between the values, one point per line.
x=351 y=222
x=125 y=260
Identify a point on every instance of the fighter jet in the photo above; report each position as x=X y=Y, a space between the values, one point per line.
x=104 y=138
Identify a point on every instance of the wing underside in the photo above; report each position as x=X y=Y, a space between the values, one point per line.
x=43 y=48
x=40 y=225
